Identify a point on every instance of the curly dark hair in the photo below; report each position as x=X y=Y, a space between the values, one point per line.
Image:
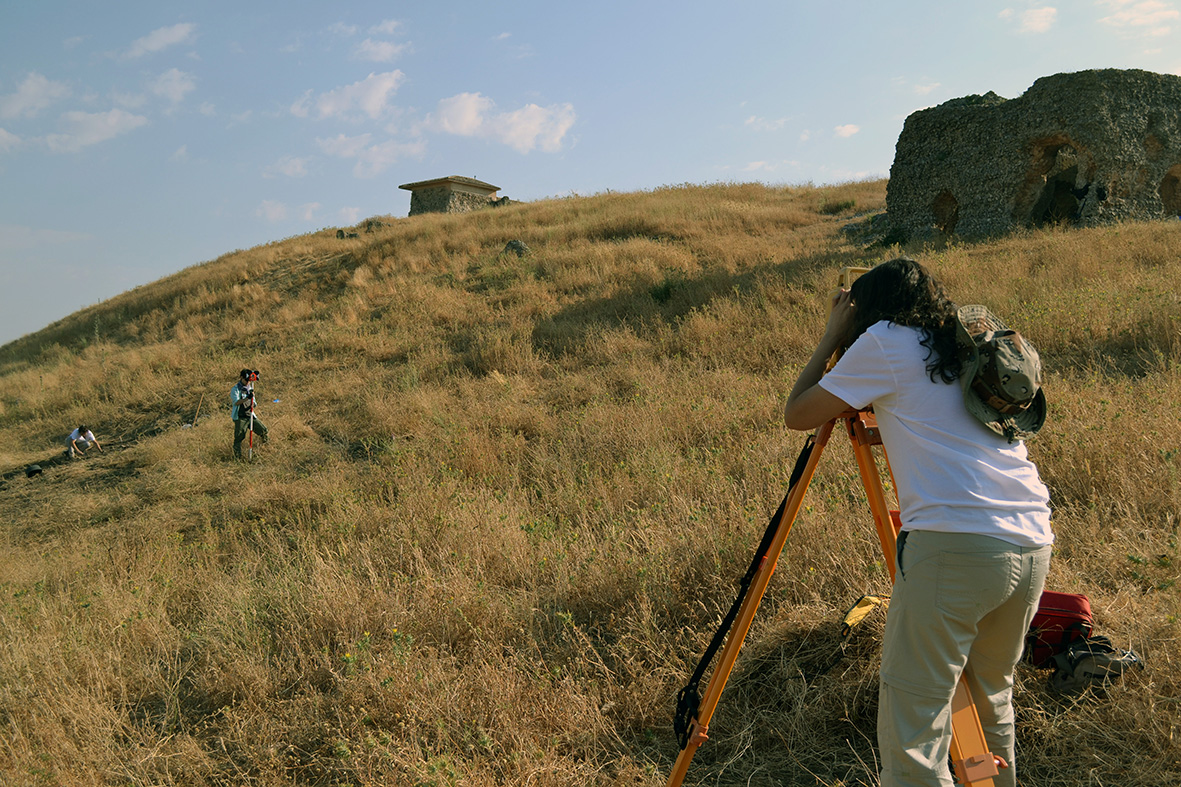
x=903 y=292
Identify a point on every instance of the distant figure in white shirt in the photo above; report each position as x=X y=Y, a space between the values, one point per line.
x=79 y=442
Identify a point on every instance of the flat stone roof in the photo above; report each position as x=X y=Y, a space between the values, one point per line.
x=458 y=179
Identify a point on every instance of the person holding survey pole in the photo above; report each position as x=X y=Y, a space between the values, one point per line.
x=243 y=412
x=974 y=548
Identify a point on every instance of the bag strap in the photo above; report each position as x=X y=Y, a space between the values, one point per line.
x=689 y=698
x=1003 y=406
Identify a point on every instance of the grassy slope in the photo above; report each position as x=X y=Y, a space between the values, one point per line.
x=506 y=501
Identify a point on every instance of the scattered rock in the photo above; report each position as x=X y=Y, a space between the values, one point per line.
x=517 y=247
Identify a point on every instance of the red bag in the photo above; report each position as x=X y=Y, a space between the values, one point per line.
x=1061 y=618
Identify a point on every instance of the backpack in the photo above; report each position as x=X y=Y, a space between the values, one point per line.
x=1090 y=660
x=1061 y=619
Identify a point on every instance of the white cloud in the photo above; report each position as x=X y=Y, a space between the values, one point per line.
x=846 y=130
x=181 y=154
x=923 y=90
x=341 y=29
x=769 y=166
x=763 y=124
x=300 y=107
x=34 y=94
x=290 y=166
x=271 y=210
x=173 y=85
x=8 y=140
x=370 y=96
x=349 y=215
x=462 y=114
x=308 y=212
x=344 y=147
x=805 y=135
x=830 y=175
x=90 y=128
x=129 y=100
x=531 y=126
x=503 y=37
x=378 y=51
x=207 y=109
x=376 y=158
x=1035 y=20
x=1148 y=16
x=386 y=27
x=371 y=159
x=161 y=38
x=1038 y=20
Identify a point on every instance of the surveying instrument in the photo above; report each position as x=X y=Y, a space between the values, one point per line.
x=973 y=763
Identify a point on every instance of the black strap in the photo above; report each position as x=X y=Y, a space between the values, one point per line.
x=688 y=698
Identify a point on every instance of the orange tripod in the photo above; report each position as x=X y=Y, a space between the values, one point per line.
x=974 y=764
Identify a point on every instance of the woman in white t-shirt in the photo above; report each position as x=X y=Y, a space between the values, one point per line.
x=974 y=548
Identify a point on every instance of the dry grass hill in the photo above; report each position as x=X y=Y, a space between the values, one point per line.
x=506 y=500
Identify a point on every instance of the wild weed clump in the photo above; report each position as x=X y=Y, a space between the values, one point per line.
x=506 y=501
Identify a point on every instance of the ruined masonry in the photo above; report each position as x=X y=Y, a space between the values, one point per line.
x=1086 y=148
x=454 y=194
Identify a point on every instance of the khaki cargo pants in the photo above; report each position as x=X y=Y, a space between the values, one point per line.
x=961 y=604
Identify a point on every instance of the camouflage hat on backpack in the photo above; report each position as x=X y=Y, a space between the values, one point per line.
x=1002 y=376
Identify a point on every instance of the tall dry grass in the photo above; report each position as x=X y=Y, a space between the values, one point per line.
x=506 y=501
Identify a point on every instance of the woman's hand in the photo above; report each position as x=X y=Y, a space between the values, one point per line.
x=840 y=320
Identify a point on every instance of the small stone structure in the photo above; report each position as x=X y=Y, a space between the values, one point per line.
x=1086 y=148
x=454 y=194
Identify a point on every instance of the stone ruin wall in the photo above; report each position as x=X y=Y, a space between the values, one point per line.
x=1086 y=148
x=441 y=199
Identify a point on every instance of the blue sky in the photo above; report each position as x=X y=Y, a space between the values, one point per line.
x=139 y=138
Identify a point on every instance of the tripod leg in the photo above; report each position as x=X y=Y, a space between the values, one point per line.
x=864 y=436
x=699 y=728
x=974 y=764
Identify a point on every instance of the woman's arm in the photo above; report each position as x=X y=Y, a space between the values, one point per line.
x=809 y=405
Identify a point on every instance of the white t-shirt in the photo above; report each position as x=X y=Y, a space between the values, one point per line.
x=76 y=435
x=954 y=474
